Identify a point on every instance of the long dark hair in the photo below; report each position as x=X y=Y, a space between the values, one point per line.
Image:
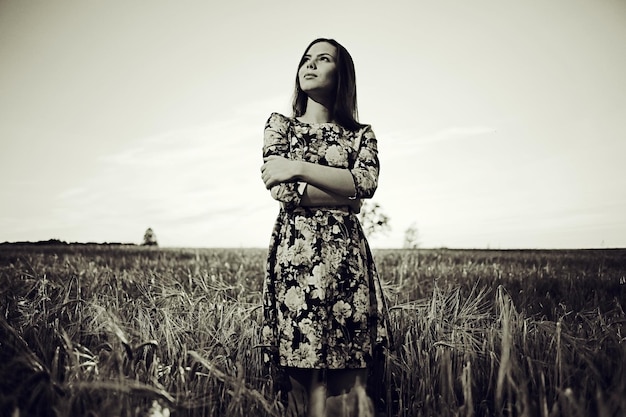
x=345 y=110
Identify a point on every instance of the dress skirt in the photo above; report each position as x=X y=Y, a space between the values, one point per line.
x=322 y=299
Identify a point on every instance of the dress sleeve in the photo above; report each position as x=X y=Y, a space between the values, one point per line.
x=366 y=166
x=276 y=142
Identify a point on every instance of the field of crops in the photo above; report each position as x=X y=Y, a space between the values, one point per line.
x=138 y=331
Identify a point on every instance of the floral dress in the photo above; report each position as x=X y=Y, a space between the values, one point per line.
x=322 y=299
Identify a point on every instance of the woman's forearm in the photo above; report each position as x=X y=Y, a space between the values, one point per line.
x=334 y=180
x=317 y=197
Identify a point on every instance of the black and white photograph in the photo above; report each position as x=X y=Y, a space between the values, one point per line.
x=312 y=209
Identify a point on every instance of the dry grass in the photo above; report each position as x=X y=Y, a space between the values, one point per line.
x=130 y=331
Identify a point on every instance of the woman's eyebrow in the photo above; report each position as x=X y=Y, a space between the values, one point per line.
x=321 y=54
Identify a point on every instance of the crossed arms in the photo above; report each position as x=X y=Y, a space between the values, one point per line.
x=325 y=185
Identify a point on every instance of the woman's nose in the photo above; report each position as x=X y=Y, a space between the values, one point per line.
x=311 y=64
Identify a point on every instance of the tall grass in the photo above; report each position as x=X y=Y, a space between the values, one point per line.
x=129 y=331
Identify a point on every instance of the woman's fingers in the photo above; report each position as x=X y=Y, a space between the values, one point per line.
x=266 y=176
x=272 y=170
x=276 y=170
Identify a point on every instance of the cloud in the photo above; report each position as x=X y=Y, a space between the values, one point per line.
x=408 y=141
x=191 y=179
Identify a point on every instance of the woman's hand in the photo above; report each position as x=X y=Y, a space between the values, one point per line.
x=277 y=169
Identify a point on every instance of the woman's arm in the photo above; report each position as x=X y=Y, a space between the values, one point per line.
x=276 y=144
x=359 y=181
x=317 y=197
x=279 y=175
x=279 y=172
x=277 y=169
x=327 y=186
x=334 y=180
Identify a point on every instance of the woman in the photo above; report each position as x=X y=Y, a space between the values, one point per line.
x=323 y=304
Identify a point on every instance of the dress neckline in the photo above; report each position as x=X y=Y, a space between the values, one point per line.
x=315 y=124
x=294 y=119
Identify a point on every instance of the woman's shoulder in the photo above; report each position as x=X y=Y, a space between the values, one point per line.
x=277 y=121
x=365 y=129
x=278 y=117
x=366 y=137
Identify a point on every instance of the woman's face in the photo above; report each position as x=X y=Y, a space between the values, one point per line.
x=318 y=72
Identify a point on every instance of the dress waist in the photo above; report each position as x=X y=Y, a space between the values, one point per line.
x=311 y=211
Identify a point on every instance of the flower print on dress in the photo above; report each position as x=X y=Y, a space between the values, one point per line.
x=336 y=156
x=306 y=355
x=281 y=255
x=332 y=132
x=342 y=311
x=333 y=257
x=300 y=253
x=267 y=331
x=360 y=301
x=294 y=299
x=315 y=279
x=303 y=225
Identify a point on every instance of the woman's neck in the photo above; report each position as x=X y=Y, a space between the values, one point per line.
x=317 y=112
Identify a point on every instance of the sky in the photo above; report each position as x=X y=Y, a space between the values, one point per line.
x=500 y=124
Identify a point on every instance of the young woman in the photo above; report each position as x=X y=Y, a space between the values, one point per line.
x=324 y=319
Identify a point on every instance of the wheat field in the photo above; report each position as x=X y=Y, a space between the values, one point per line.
x=105 y=330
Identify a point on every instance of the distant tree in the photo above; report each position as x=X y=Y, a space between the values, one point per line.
x=149 y=238
x=373 y=219
x=411 y=237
